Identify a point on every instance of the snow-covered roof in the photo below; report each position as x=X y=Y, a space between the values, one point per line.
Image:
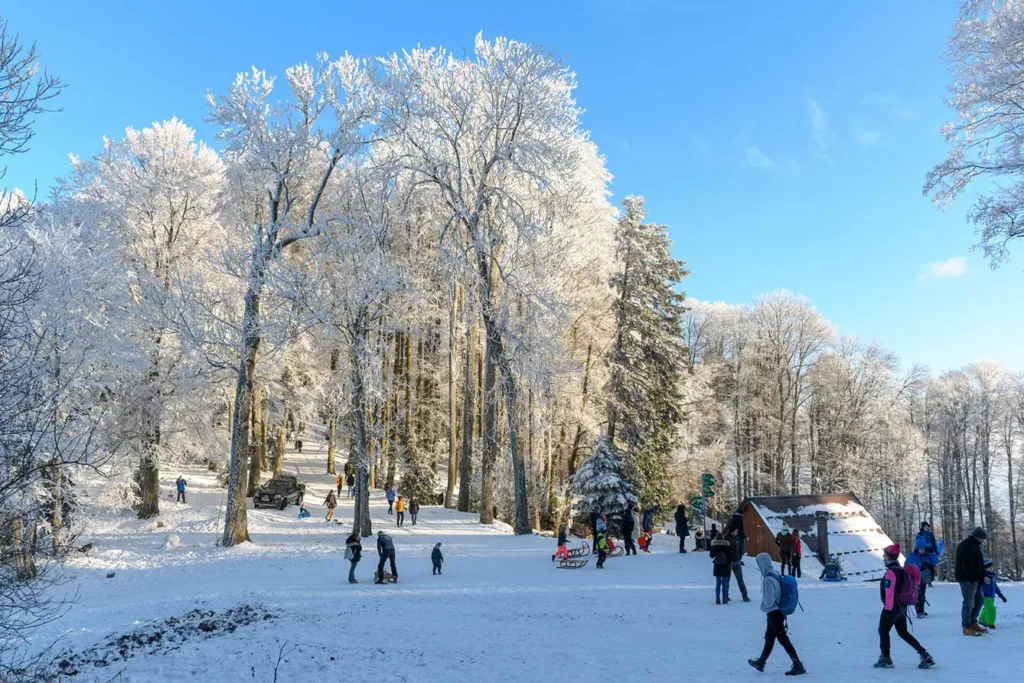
x=853 y=534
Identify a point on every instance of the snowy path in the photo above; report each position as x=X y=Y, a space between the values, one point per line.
x=501 y=611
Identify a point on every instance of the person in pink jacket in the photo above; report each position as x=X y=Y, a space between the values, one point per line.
x=894 y=613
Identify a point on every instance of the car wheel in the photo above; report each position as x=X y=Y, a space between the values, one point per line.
x=283 y=504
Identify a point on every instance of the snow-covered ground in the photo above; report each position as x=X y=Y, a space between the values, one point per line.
x=500 y=612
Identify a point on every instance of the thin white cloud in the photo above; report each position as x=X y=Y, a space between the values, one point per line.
x=819 y=130
x=864 y=136
x=758 y=159
x=950 y=268
x=891 y=104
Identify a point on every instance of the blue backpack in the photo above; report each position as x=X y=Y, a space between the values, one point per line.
x=789 y=597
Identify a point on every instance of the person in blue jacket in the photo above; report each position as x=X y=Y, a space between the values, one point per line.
x=925 y=559
x=989 y=590
x=928 y=537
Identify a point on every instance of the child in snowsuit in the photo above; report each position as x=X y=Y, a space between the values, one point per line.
x=698 y=540
x=720 y=556
x=832 y=570
x=303 y=512
x=400 y=510
x=925 y=559
x=893 y=613
x=562 y=551
x=601 y=544
x=436 y=558
x=771 y=597
x=990 y=589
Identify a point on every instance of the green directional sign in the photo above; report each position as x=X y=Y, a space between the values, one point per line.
x=697 y=502
x=707 y=482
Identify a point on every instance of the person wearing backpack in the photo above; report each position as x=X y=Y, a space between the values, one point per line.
x=925 y=559
x=779 y=598
x=898 y=591
x=353 y=553
x=720 y=555
x=990 y=590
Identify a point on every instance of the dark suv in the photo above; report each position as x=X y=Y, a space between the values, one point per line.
x=279 y=492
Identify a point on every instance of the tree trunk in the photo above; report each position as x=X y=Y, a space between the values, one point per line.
x=282 y=440
x=490 y=432
x=361 y=516
x=453 y=456
x=574 y=455
x=466 y=458
x=332 y=432
x=254 y=448
x=1013 y=507
x=236 y=525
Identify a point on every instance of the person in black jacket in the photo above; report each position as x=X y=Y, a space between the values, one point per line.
x=970 y=574
x=386 y=551
x=682 y=527
x=736 y=562
x=628 y=527
x=436 y=558
x=352 y=543
x=735 y=530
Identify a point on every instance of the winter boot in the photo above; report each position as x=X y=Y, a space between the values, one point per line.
x=883 y=662
x=971 y=632
x=798 y=668
x=926 y=661
x=757 y=664
x=353 y=581
x=718 y=601
x=746 y=599
x=979 y=628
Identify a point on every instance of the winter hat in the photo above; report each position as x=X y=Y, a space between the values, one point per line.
x=988 y=563
x=380 y=533
x=893 y=550
x=925 y=524
x=979 y=534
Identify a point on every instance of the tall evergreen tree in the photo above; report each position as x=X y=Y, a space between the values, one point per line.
x=598 y=485
x=648 y=358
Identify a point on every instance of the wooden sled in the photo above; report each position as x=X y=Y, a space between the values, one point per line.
x=572 y=564
x=388 y=577
x=584 y=549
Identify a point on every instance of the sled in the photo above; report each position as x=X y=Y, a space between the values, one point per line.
x=839 y=580
x=572 y=564
x=584 y=549
x=388 y=577
x=614 y=550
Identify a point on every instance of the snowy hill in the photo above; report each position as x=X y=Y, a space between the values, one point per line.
x=501 y=611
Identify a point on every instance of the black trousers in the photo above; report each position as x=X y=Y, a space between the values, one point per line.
x=920 y=599
x=737 y=571
x=385 y=556
x=795 y=567
x=787 y=562
x=401 y=518
x=895 y=617
x=601 y=554
x=181 y=496
x=630 y=545
x=776 y=631
x=391 y=506
x=682 y=544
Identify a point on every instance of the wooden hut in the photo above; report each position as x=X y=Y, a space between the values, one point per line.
x=834 y=524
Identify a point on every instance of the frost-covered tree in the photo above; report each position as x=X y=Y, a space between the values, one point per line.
x=986 y=60
x=599 y=485
x=647 y=360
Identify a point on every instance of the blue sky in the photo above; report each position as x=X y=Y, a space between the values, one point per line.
x=784 y=143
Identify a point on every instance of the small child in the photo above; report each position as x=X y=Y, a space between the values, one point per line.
x=698 y=539
x=644 y=541
x=601 y=544
x=562 y=551
x=303 y=512
x=437 y=558
x=989 y=590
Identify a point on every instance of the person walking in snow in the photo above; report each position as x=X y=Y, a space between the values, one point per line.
x=601 y=545
x=735 y=530
x=628 y=528
x=180 y=485
x=386 y=552
x=353 y=553
x=736 y=562
x=771 y=597
x=927 y=537
x=925 y=560
x=436 y=558
x=682 y=527
x=331 y=501
x=414 y=509
x=389 y=493
x=784 y=540
x=798 y=552
x=969 y=572
x=339 y=481
x=562 y=551
x=721 y=556
x=893 y=613
x=400 y=511
x=648 y=521
x=990 y=590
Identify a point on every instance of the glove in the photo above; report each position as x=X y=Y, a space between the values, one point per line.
x=1003 y=598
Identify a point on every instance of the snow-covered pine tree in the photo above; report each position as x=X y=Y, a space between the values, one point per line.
x=647 y=359
x=599 y=485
